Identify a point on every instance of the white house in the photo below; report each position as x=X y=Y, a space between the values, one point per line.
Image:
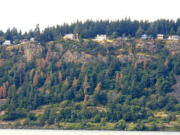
x=32 y=39
x=160 y=36
x=174 y=37
x=101 y=37
x=71 y=36
x=7 y=42
x=145 y=36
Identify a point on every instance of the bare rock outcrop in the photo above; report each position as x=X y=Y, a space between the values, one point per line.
x=78 y=57
x=32 y=50
x=173 y=47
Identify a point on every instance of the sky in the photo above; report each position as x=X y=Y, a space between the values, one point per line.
x=25 y=14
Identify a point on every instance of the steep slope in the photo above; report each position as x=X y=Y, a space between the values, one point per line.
x=120 y=84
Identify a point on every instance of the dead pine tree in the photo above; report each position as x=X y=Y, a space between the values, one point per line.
x=48 y=79
x=98 y=87
x=82 y=68
x=135 y=65
x=66 y=83
x=40 y=63
x=117 y=76
x=60 y=77
x=48 y=55
x=36 y=78
x=3 y=90
x=166 y=63
x=85 y=85
x=85 y=99
x=145 y=64
x=21 y=69
x=74 y=84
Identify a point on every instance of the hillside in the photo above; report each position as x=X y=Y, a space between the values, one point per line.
x=118 y=84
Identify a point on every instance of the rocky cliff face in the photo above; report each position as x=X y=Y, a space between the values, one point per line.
x=173 y=47
x=78 y=57
x=29 y=50
x=143 y=48
x=139 y=58
x=82 y=57
x=32 y=50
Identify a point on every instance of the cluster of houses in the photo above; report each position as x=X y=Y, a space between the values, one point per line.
x=160 y=37
x=24 y=41
x=75 y=37
x=104 y=37
x=97 y=38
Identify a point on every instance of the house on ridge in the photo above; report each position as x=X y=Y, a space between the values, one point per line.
x=101 y=37
x=71 y=36
x=7 y=42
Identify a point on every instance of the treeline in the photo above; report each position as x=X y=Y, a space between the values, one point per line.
x=89 y=29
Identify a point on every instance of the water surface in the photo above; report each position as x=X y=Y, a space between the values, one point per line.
x=78 y=132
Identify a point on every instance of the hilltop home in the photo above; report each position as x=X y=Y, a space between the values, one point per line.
x=7 y=42
x=71 y=36
x=160 y=36
x=145 y=37
x=174 y=37
x=32 y=39
x=101 y=37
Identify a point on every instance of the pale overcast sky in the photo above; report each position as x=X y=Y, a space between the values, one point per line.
x=25 y=14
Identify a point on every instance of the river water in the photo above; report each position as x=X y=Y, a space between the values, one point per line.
x=78 y=132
